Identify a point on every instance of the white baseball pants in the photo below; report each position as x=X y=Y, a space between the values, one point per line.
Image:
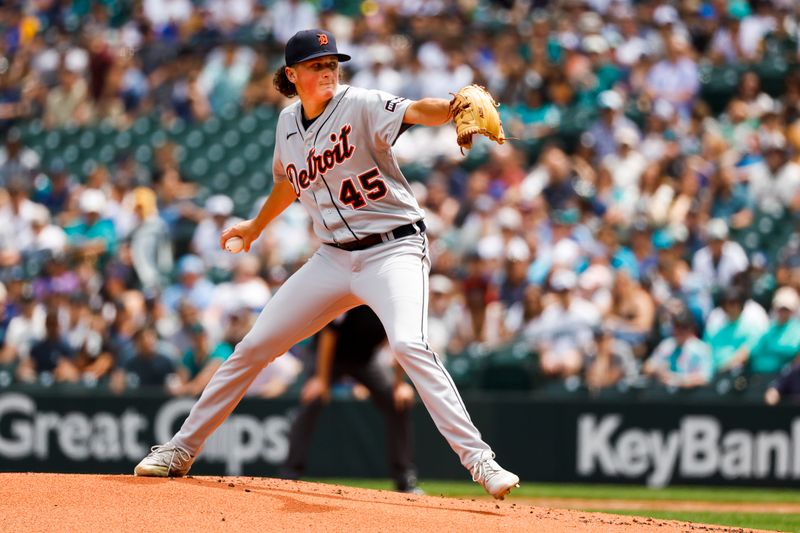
x=392 y=279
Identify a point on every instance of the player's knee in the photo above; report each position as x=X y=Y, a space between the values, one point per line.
x=407 y=347
x=253 y=353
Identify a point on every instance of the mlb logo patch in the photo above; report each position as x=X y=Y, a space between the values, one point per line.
x=391 y=105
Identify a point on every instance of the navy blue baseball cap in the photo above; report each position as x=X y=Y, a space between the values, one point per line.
x=310 y=44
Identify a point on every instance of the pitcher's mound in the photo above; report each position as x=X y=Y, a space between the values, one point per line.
x=63 y=502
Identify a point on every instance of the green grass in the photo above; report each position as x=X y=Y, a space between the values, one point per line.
x=589 y=492
x=774 y=522
x=767 y=521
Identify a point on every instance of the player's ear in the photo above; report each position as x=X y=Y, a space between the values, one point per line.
x=290 y=75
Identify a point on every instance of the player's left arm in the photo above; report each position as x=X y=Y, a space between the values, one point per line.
x=428 y=112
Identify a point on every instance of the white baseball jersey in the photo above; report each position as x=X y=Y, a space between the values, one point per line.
x=344 y=173
x=342 y=168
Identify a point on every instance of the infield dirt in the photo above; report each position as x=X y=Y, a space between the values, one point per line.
x=69 y=502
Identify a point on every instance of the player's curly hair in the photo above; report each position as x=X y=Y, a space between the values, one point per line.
x=282 y=83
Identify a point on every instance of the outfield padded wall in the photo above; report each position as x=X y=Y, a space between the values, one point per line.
x=657 y=443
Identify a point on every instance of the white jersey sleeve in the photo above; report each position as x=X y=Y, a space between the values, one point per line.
x=278 y=174
x=384 y=112
x=278 y=170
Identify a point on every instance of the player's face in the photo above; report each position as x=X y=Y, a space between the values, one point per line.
x=316 y=79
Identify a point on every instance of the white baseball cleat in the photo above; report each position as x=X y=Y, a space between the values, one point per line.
x=494 y=478
x=165 y=460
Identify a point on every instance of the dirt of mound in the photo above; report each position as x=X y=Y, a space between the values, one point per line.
x=61 y=502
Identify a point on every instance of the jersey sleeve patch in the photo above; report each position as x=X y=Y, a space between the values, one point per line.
x=384 y=112
x=391 y=105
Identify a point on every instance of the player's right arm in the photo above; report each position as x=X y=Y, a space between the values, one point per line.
x=279 y=199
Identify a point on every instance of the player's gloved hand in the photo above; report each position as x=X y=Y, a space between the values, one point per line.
x=474 y=111
x=248 y=230
x=403 y=396
x=315 y=388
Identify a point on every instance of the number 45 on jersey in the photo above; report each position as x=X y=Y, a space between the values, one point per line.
x=370 y=184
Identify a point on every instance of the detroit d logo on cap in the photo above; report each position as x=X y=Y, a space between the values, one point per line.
x=323 y=39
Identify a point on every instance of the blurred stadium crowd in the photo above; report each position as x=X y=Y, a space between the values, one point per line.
x=638 y=236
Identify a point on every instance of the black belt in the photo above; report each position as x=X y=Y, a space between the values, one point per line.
x=377 y=238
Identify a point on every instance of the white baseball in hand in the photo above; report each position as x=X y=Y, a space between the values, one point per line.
x=234 y=245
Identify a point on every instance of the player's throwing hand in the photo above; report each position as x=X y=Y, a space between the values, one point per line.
x=246 y=230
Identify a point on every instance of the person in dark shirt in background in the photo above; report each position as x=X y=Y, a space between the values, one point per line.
x=786 y=387
x=147 y=368
x=347 y=347
x=51 y=359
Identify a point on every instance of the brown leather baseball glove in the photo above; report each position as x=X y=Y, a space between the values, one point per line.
x=474 y=111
